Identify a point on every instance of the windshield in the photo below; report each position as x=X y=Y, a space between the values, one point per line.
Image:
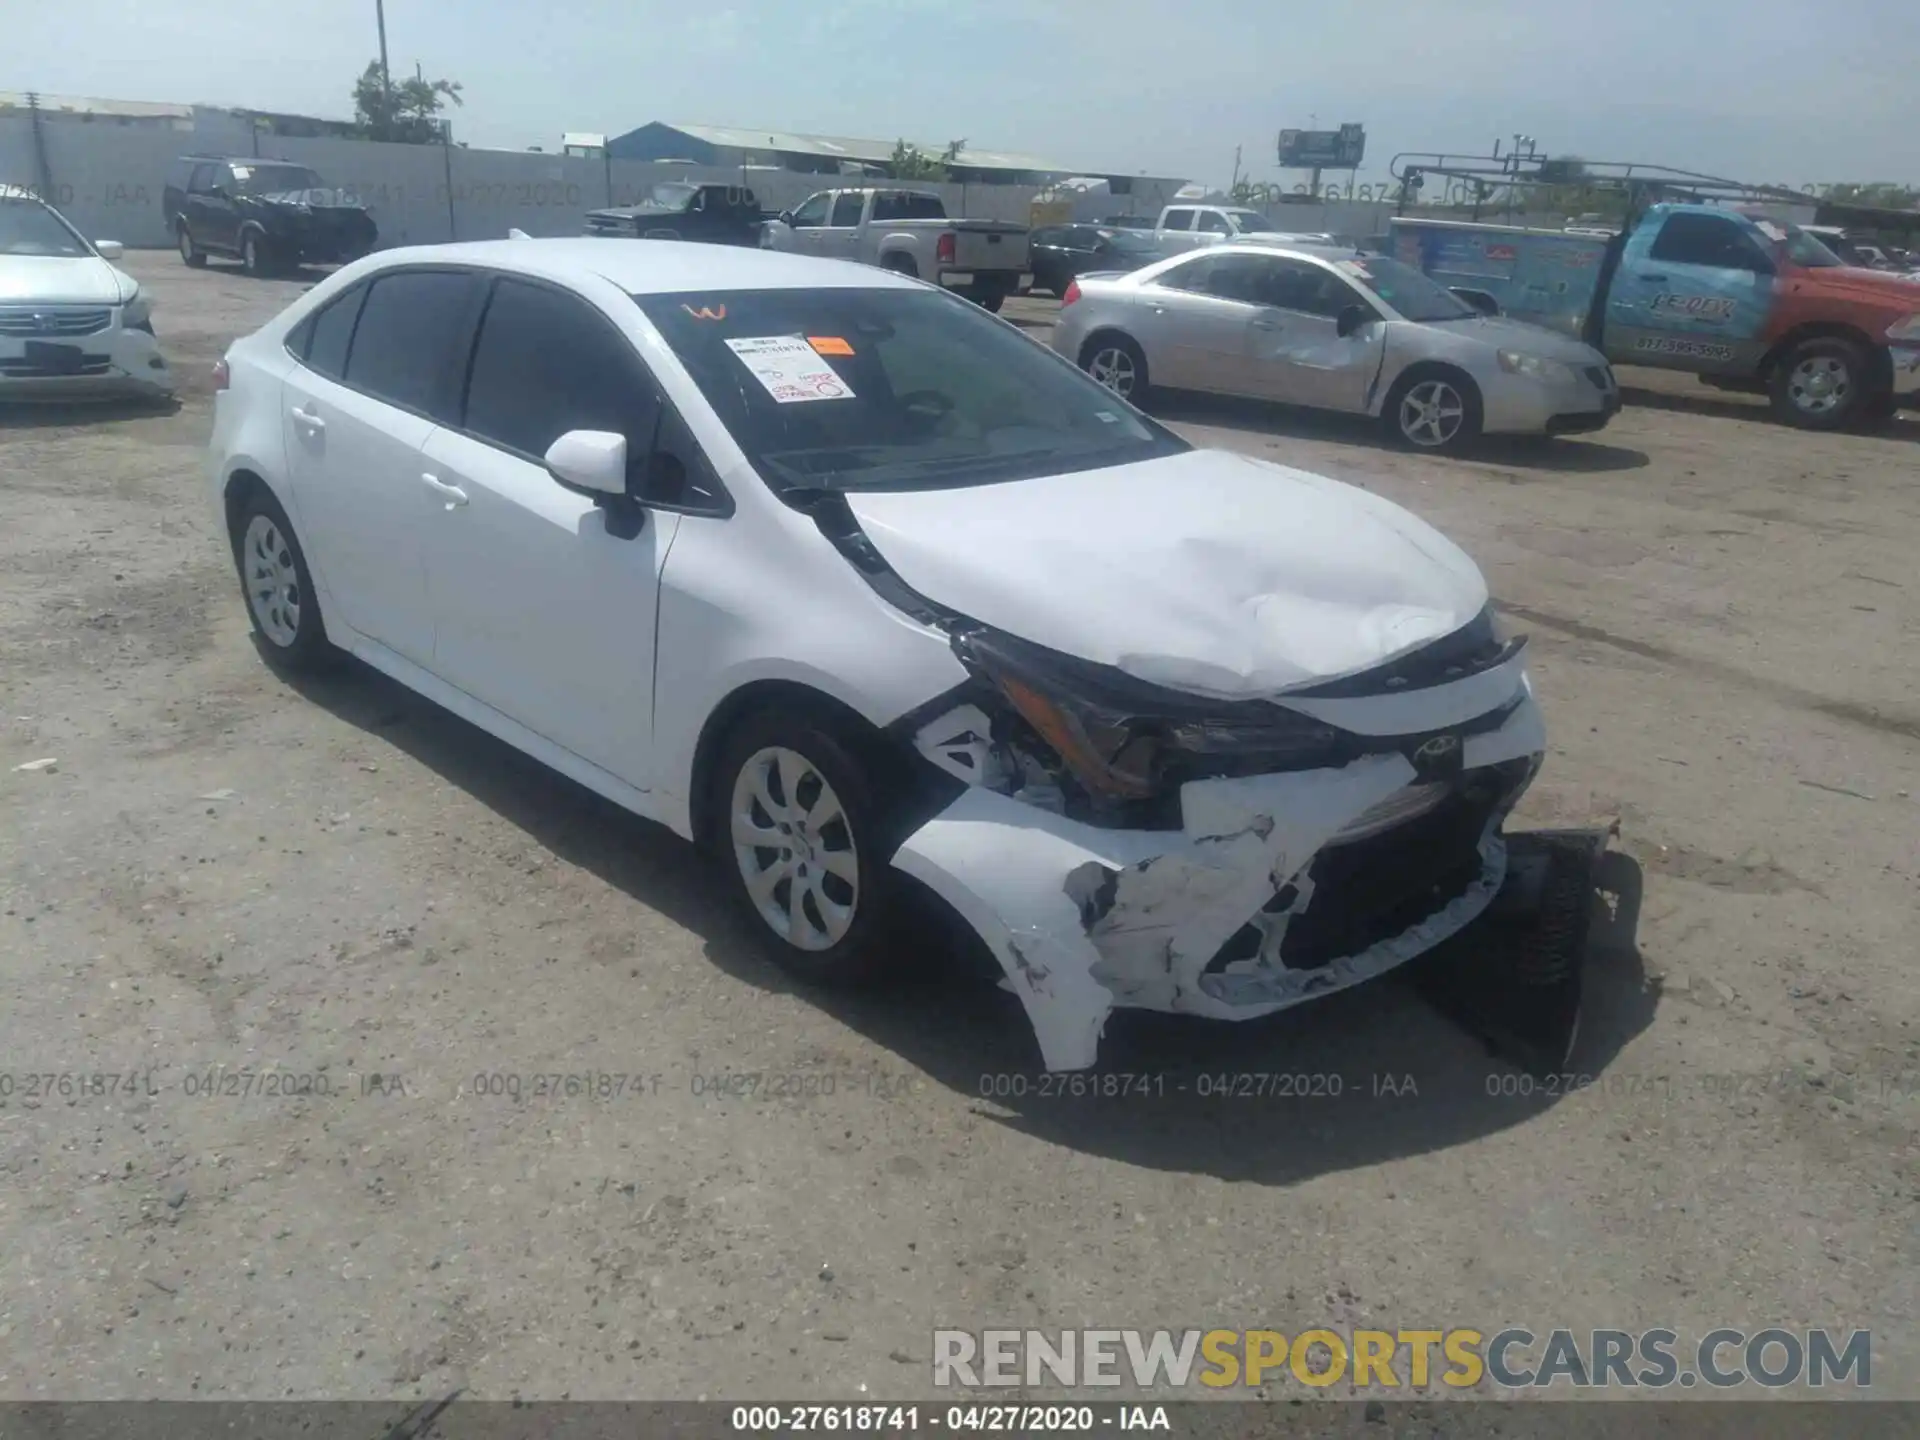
x=844 y=389
x=1405 y=289
x=275 y=179
x=672 y=196
x=29 y=228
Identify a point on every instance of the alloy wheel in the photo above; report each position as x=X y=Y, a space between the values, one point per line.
x=795 y=849
x=1113 y=368
x=272 y=580
x=1431 y=413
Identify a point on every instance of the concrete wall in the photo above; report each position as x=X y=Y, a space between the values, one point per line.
x=108 y=182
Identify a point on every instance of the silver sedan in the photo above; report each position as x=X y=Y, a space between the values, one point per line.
x=1336 y=329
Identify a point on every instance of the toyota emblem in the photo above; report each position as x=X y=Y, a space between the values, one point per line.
x=42 y=323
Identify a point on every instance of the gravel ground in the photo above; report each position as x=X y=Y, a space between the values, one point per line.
x=341 y=882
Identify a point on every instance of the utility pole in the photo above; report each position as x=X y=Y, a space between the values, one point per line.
x=386 y=76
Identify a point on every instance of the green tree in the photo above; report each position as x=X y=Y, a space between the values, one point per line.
x=910 y=162
x=407 y=112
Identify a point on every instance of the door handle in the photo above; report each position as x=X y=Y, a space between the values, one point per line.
x=455 y=495
x=309 y=421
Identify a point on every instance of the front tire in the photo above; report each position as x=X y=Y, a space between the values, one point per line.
x=1117 y=363
x=802 y=835
x=1434 y=410
x=190 y=252
x=1821 y=384
x=255 y=257
x=278 y=587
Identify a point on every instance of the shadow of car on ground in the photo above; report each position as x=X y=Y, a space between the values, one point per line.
x=1358 y=1077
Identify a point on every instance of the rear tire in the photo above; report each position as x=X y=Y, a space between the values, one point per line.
x=901 y=265
x=1116 y=362
x=278 y=587
x=1821 y=384
x=1435 y=410
x=802 y=835
x=190 y=252
x=992 y=302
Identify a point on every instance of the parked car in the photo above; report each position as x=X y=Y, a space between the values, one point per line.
x=1335 y=329
x=1743 y=301
x=270 y=215
x=1851 y=249
x=1060 y=252
x=73 y=325
x=836 y=575
x=908 y=231
x=1129 y=222
x=1191 y=227
x=685 y=210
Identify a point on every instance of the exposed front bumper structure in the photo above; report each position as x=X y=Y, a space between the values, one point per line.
x=1085 y=919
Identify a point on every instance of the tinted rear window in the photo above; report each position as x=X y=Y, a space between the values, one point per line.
x=331 y=331
x=407 y=347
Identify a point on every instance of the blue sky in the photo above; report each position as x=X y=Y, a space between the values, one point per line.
x=1762 y=90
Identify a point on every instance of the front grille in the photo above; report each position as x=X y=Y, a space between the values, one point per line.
x=40 y=321
x=27 y=370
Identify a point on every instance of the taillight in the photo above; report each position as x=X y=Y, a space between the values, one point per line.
x=945 y=251
x=1073 y=294
x=221 y=374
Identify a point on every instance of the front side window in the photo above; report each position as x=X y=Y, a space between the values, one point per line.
x=846 y=210
x=29 y=228
x=406 y=347
x=846 y=389
x=200 y=180
x=1178 y=220
x=1687 y=239
x=813 y=210
x=546 y=363
x=1214 y=223
x=1309 y=289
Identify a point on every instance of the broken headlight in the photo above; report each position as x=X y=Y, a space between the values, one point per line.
x=1122 y=740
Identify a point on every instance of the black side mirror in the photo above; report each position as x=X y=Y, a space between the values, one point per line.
x=1351 y=319
x=785 y=217
x=1479 y=299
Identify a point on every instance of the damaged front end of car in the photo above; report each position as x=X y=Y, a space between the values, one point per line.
x=1122 y=844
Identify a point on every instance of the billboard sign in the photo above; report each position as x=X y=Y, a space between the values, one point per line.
x=1340 y=149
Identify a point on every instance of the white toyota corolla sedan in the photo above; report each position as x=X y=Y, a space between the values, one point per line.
x=845 y=579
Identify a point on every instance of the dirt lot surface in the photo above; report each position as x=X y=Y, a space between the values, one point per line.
x=224 y=872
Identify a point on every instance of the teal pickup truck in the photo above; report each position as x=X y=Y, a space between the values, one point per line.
x=1744 y=301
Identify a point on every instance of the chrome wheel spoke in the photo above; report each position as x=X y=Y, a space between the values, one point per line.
x=843 y=863
x=792 y=828
x=746 y=831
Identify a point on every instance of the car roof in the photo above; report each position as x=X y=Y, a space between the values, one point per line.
x=654 y=267
x=1301 y=249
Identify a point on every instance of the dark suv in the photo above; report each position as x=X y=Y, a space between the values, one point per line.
x=270 y=214
x=685 y=210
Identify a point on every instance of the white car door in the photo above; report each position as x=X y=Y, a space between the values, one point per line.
x=809 y=229
x=1200 y=320
x=370 y=390
x=545 y=601
x=840 y=239
x=1295 y=350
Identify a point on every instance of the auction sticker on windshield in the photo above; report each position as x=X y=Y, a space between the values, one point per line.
x=790 y=369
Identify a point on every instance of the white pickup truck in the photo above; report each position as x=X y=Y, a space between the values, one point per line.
x=911 y=232
x=1188 y=227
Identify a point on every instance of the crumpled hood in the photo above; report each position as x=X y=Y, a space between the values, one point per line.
x=62 y=280
x=1208 y=572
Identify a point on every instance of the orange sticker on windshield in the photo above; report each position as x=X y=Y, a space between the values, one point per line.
x=829 y=345
x=706 y=312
